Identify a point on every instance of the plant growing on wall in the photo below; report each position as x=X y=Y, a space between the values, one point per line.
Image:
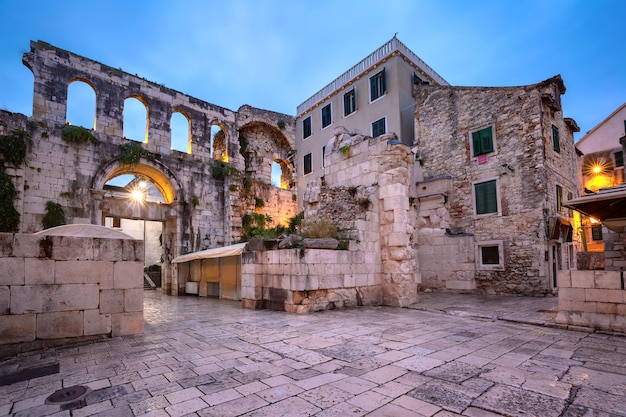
x=221 y=170
x=345 y=150
x=77 y=135
x=9 y=217
x=131 y=153
x=281 y=124
x=54 y=215
x=13 y=147
x=364 y=203
x=259 y=202
x=320 y=228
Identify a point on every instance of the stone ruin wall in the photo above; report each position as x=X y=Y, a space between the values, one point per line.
x=73 y=175
x=58 y=289
x=445 y=118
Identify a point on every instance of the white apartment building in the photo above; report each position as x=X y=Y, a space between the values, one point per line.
x=372 y=98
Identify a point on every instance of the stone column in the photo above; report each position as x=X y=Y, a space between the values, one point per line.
x=396 y=231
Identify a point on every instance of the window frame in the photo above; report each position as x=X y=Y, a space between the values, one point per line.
x=498 y=211
x=618 y=160
x=304 y=164
x=378 y=85
x=307 y=126
x=329 y=115
x=559 y=198
x=473 y=150
x=556 y=141
x=479 y=255
x=349 y=102
x=384 y=122
x=596 y=233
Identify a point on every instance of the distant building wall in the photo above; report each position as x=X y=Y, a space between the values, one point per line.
x=56 y=289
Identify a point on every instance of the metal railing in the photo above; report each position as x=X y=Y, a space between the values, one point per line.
x=378 y=55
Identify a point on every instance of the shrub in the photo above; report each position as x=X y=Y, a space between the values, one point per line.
x=77 y=135
x=131 y=153
x=221 y=170
x=13 y=147
x=319 y=228
x=9 y=216
x=54 y=215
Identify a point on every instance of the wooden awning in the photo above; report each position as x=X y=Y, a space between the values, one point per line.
x=607 y=205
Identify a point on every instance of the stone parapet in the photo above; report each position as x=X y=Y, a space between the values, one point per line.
x=55 y=289
x=595 y=299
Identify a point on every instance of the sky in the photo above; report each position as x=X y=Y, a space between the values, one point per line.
x=274 y=54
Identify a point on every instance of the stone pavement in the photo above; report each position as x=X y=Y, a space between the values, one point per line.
x=207 y=357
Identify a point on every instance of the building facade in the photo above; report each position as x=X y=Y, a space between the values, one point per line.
x=372 y=98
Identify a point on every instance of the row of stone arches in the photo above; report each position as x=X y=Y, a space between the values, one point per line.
x=81 y=111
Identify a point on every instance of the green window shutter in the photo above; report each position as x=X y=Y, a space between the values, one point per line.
x=373 y=88
x=383 y=83
x=476 y=143
x=486 y=139
x=486 y=197
x=559 y=199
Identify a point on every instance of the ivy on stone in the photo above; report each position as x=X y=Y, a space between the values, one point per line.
x=78 y=135
x=9 y=216
x=131 y=153
x=13 y=147
x=54 y=215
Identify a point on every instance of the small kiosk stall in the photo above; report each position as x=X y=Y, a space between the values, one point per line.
x=212 y=272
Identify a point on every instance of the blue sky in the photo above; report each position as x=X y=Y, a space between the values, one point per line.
x=275 y=54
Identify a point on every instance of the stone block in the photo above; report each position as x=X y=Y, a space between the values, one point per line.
x=96 y=323
x=84 y=272
x=59 y=325
x=132 y=250
x=572 y=294
x=582 y=279
x=6 y=244
x=330 y=281
x=461 y=285
x=606 y=308
x=398 y=239
x=50 y=298
x=604 y=296
x=11 y=271
x=39 y=271
x=108 y=249
x=17 y=328
x=394 y=203
x=133 y=300
x=27 y=246
x=128 y=274
x=123 y=324
x=111 y=301
x=563 y=278
x=5 y=300
x=64 y=248
x=607 y=280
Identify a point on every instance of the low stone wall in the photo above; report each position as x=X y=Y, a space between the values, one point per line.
x=60 y=288
x=594 y=299
x=307 y=280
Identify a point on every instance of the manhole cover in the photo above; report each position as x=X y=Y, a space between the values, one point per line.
x=67 y=395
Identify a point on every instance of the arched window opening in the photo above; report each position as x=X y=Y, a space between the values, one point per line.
x=281 y=175
x=81 y=105
x=135 y=120
x=135 y=188
x=218 y=143
x=181 y=133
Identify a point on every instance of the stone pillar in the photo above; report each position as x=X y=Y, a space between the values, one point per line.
x=396 y=230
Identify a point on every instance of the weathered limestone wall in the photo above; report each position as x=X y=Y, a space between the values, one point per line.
x=595 y=299
x=614 y=250
x=526 y=169
x=365 y=189
x=57 y=288
x=307 y=280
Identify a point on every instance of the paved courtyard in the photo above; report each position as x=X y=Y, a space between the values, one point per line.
x=206 y=357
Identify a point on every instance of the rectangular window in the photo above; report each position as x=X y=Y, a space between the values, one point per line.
x=490 y=255
x=555 y=139
x=349 y=102
x=306 y=127
x=619 y=159
x=378 y=128
x=486 y=197
x=596 y=232
x=482 y=141
x=307 y=164
x=326 y=118
x=559 y=199
x=378 y=85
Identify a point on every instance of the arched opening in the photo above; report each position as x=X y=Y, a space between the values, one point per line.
x=180 y=133
x=277 y=172
x=81 y=105
x=135 y=120
x=218 y=143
